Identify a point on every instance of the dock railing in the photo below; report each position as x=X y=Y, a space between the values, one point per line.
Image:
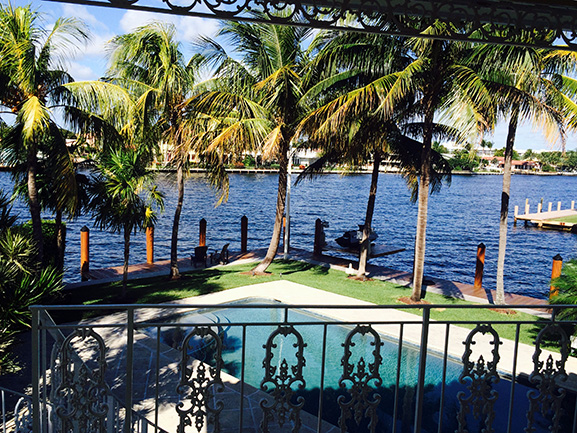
x=269 y=367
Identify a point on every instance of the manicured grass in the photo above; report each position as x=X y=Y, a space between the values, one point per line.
x=567 y=219
x=160 y=289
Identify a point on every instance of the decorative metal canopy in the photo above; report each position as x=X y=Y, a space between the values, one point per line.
x=496 y=21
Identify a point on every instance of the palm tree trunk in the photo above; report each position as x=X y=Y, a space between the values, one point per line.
x=59 y=228
x=127 y=230
x=500 y=295
x=423 y=203
x=174 y=272
x=280 y=207
x=366 y=242
x=34 y=204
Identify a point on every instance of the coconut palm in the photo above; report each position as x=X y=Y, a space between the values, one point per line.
x=32 y=83
x=264 y=95
x=149 y=62
x=123 y=197
x=521 y=91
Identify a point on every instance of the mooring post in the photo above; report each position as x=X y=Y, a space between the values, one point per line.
x=84 y=253
x=572 y=204
x=555 y=273
x=539 y=207
x=202 y=233
x=243 y=234
x=558 y=205
x=526 y=206
x=516 y=213
x=318 y=247
x=480 y=266
x=550 y=207
x=150 y=244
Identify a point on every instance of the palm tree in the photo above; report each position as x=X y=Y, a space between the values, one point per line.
x=521 y=91
x=263 y=97
x=32 y=84
x=123 y=197
x=149 y=62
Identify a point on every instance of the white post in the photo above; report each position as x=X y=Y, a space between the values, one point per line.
x=287 y=228
x=558 y=205
x=572 y=204
x=550 y=206
x=539 y=207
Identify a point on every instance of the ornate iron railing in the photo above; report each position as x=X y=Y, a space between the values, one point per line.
x=484 y=21
x=274 y=367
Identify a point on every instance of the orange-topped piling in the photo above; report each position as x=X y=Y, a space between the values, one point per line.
x=150 y=244
x=480 y=266
x=202 y=233
x=555 y=273
x=84 y=253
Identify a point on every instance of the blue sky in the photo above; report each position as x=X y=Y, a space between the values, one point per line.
x=89 y=63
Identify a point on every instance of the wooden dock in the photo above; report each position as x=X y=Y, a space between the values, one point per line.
x=549 y=219
x=378 y=250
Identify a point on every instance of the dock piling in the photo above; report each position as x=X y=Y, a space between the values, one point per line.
x=516 y=213
x=202 y=233
x=539 y=207
x=572 y=204
x=555 y=273
x=558 y=205
x=550 y=207
x=480 y=266
x=318 y=247
x=150 y=244
x=243 y=234
x=84 y=253
x=527 y=207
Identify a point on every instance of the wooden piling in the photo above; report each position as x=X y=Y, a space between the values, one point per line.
x=558 y=205
x=555 y=273
x=84 y=253
x=150 y=244
x=202 y=233
x=550 y=208
x=539 y=207
x=572 y=204
x=243 y=234
x=480 y=266
x=527 y=207
x=318 y=247
x=516 y=213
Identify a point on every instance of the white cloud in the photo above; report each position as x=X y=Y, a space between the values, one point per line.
x=82 y=13
x=81 y=72
x=187 y=28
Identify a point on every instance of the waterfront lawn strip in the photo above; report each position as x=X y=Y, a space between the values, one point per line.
x=160 y=289
x=566 y=219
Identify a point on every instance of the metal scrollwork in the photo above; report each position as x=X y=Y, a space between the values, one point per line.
x=199 y=381
x=497 y=22
x=546 y=374
x=363 y=401
x=482 y=375
x=282 y=378
x=23 y=416
x=79 y=389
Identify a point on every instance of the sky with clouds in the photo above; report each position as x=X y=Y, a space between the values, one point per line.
x=89 y=63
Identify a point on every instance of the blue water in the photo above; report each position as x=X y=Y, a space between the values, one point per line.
x=460 y=217
x=312 y=335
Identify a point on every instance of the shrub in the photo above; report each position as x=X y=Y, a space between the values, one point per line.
x=50 y=243
x=566 y=290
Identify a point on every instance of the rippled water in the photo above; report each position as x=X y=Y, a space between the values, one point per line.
x=460 y=217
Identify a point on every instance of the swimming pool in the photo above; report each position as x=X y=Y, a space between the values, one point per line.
x=323 y=367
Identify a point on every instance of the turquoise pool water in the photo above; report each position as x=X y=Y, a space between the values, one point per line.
x=225 y=319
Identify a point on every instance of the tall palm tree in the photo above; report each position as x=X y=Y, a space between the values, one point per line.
x=149 y=62
x=521 y=91
x=32 y=83
x=265 y=94
x=123 y=197
x=354 y=126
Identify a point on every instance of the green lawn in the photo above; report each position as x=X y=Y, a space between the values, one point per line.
x=160 y=289
x=567 y=219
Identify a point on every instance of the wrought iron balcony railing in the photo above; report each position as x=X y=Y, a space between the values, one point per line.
x=273 y=367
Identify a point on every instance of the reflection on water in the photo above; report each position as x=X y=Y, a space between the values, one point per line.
x=460 y=217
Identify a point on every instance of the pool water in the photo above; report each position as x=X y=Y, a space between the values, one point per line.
x=256 y=336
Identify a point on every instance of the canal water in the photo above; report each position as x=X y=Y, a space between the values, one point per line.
x=460 y=217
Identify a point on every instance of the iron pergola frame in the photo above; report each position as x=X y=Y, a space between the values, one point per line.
x=493 y=21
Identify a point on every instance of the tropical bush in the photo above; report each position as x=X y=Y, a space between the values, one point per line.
x=50 y=239
x=566 y=286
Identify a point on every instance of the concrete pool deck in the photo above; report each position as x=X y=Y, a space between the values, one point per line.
x=288 y=293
